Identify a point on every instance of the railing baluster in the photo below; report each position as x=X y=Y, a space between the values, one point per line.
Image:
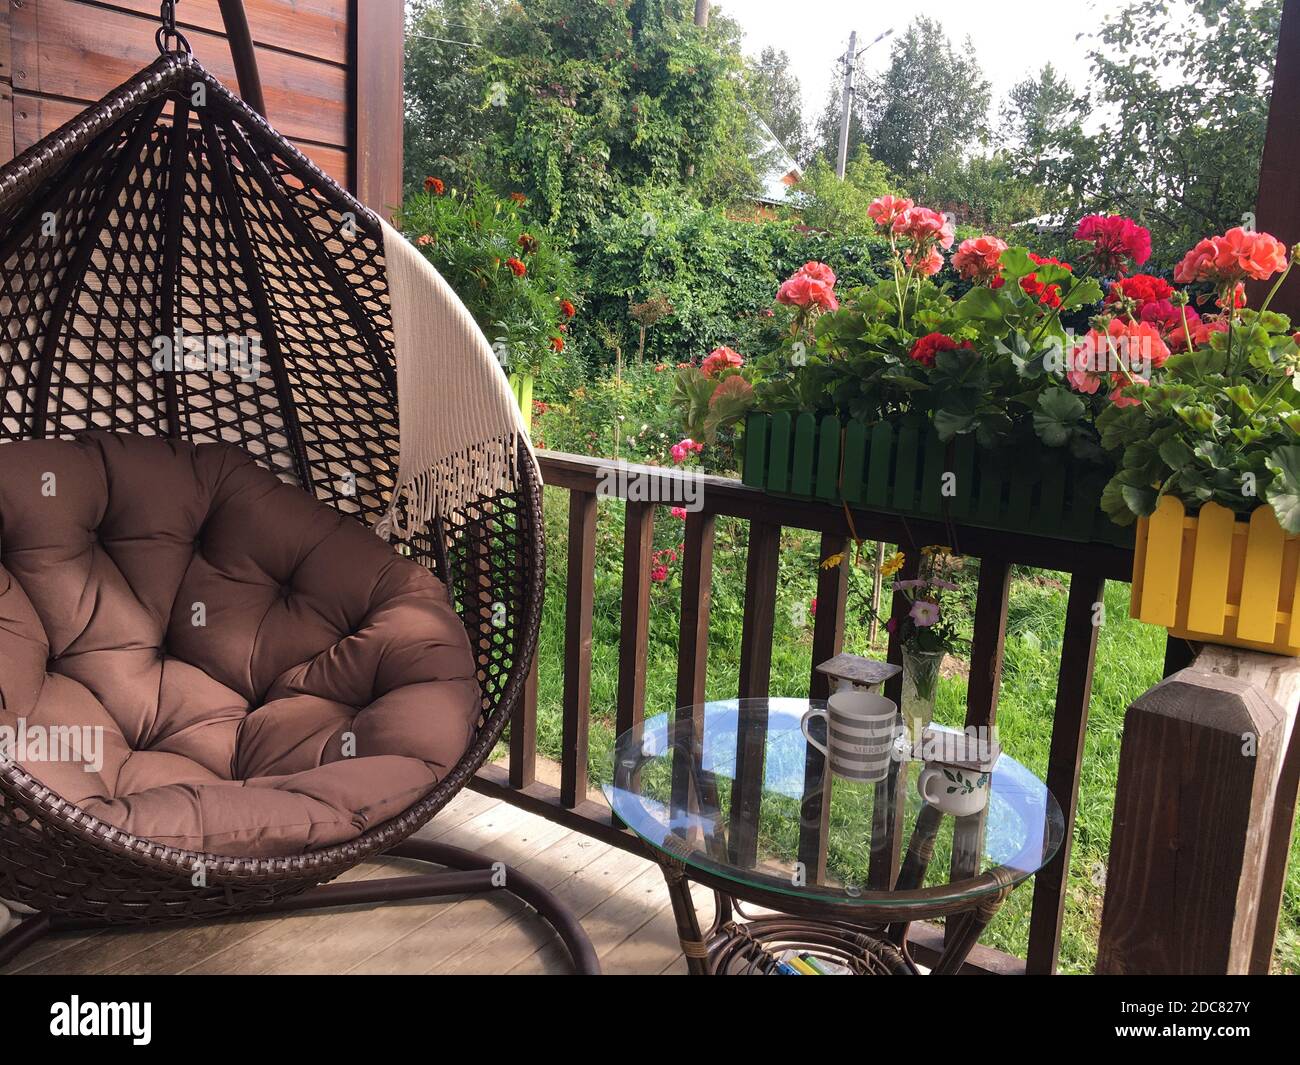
x=890 y=802
x=988 y=642
x=755 y=677
x=693 y=644
x=1073 y=691
x=634 y=625
x=577 y=646
x=523 y=735
x=697 y=589
x=828 y=641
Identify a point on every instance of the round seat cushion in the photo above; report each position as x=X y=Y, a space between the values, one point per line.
x=201 y=655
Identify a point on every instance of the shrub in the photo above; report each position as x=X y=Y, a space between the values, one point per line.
x=518 y=286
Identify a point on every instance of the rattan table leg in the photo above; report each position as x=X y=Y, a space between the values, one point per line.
x=694 y=945
x=962 y=936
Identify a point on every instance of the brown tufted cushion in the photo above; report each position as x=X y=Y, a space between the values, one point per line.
x=266 y=675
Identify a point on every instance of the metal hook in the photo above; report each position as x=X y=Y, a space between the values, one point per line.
x=168 y=38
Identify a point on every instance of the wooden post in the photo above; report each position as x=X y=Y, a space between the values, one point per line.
x=6 y=89
x=1277 y=204
x=1192 y=880
x=376 y=69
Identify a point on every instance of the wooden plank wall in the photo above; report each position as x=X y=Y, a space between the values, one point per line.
x=331 y=72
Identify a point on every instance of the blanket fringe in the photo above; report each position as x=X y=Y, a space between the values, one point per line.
x=446 y=488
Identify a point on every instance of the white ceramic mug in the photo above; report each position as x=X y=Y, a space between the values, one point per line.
x=953 y=789
x=861 y=728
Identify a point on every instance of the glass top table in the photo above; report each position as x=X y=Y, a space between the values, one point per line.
x=732 y=795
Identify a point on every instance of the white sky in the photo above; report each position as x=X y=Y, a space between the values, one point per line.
x=1012 y=38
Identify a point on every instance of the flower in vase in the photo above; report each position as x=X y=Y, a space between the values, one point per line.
x=924 y=613
x=893 y=564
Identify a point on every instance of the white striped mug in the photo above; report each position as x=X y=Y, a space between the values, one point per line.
x=861 y=728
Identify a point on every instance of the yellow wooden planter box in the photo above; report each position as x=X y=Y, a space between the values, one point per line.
x=1216 y=579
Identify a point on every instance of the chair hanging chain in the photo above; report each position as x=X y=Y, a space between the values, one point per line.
x=170 y=39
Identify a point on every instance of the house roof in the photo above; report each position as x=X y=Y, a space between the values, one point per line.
x=780 y=172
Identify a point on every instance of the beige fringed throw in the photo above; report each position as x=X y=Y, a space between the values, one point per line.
x=460 y=424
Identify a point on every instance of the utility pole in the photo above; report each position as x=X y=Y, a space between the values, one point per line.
x=846 y=108
x=701 y=13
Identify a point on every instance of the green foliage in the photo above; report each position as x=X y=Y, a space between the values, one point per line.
x=931 y=102
x=1220 y=424
x=1170 y=128
x=718 y=274
x=995 y=372
x=774 y=93
x=578 y=103
x=826 y=202
x=505 y=269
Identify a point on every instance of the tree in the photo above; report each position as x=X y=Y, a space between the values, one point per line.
x=445 y=124
x=826 y=202
x=930 y=104
x=578 y=104
x=775 y=94
x=984 y=191
x=1038 y=114
x=1179 y=95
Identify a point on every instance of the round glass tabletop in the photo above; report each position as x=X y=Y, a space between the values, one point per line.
x=735 y=790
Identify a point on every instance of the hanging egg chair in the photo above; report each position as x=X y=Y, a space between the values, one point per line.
x=324 y=685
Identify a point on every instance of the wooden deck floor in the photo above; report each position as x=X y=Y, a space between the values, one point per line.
x=619 y=897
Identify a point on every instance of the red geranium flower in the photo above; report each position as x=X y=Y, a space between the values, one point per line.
x=928 y=347
x=1141 y=289
x=1116 y=241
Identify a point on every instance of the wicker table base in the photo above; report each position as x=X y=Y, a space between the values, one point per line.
x=749 y=947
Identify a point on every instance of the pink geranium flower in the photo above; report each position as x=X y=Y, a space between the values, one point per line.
x=885 y=209
x=683 y=450
x=679 y=513
x=720 y=359
x=1123 y=354
x=819 y=272
x=804 y=291
x=927 y=264
x=659 y=574
x=1237 y=255
x=979 y=259
x=924 y=226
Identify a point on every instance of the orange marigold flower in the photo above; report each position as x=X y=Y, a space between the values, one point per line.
x=516 y=267
x=434 y=185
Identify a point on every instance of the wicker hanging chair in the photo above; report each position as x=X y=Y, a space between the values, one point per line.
x=177 y=205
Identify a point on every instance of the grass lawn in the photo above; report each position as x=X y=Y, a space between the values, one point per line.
x=1129 y=660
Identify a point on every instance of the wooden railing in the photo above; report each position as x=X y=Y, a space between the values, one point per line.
x=1088 y=566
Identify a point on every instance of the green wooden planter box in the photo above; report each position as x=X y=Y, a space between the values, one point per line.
x=904 y=471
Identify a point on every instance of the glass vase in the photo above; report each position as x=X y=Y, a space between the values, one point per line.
x=920 y=686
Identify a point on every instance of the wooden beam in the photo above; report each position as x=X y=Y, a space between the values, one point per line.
x=376 y=69
x=1193 y=827
x=1277 y=206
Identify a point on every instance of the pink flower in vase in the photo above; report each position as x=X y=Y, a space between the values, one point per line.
x=924 y=613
